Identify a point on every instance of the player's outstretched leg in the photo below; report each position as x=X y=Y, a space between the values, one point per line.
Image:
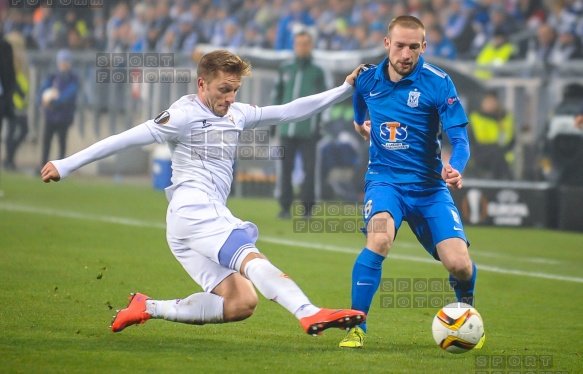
x=197 y=309
x=277 y=286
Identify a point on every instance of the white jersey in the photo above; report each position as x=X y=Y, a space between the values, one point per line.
x=202 y=146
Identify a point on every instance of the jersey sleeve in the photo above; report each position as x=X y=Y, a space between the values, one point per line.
x=449 y=106
x=297 y=110
x=169 y=125
x=136 y=136
x=360 y=108
x=460 y=154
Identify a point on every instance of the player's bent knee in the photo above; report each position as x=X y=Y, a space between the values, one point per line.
x=379 y=242
x=460 y=269
x=240 y=308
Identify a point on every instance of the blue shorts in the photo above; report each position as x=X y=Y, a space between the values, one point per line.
x=429 y=210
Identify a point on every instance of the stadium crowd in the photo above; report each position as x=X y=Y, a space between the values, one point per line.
x=462 y=29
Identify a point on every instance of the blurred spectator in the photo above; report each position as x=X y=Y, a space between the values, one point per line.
x=439 y=45
x=340 y=153
x=247 y=12
x=498 y=23
x=295 y=16
x=343 y=38
x=20 y=21
x=183 y=36
x=98 y=38
x=539 y=48
x=562 y=14
x=219 y=21
x=43 y=27
x=58 y=96
x=457 y=27
x=18 y=124
x=564 y=138
x=157 y=27
x=7 y=82
x=70 y=29
x=567 y=47
x=269 y=12
x=496 y=52
x=297 y=79
x=139 y=23
x=429 y=19
x=116 y=26
x=233 y=34
x=254 y=36
x=491 y=132
x=361 y=35
x=530 y=13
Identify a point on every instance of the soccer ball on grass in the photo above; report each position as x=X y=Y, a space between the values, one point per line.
x=457 y=327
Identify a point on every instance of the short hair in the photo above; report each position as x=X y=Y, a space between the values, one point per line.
x=303 y=33
x=224 y=61
x=408 y=22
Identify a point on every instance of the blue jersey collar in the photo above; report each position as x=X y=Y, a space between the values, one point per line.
x=380 y=73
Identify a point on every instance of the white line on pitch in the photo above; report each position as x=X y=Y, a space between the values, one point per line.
x=268 y=239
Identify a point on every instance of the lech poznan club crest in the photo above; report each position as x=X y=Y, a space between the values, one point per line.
x=413 y=100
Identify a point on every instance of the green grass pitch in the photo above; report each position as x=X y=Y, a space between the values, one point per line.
x=72 y=251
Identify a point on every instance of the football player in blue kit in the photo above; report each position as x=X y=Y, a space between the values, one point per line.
x=409 y=103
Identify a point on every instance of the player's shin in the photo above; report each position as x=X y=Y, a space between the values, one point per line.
x=464 y=289
x=366 y=278
x=197 y=309
x=278 y=287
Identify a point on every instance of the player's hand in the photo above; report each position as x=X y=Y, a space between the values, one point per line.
x=50 y=173
x=363 y=130
x=579 y=121
x=452 y=177
x=351 y=78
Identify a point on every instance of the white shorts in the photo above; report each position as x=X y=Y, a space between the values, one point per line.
x=197 y=228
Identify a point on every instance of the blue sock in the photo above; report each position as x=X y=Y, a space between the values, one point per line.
x=464 y=290
x=366 y=278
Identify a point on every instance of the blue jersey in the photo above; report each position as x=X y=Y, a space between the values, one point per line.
x=407 y=119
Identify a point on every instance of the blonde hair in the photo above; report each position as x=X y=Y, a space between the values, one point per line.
x=408 y=22
x=224 y=61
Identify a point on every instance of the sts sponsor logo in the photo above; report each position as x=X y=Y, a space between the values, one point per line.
x=393 y=133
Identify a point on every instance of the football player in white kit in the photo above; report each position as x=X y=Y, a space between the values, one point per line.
x=215 y=248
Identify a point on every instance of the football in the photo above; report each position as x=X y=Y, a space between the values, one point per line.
x=457 y=327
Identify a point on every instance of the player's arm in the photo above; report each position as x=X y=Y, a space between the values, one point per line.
x=361 y=126
x=460 y=154
x=304 y=107
x=136 y=136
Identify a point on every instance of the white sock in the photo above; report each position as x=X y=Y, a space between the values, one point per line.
x=197 y=309
x=278 y=287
